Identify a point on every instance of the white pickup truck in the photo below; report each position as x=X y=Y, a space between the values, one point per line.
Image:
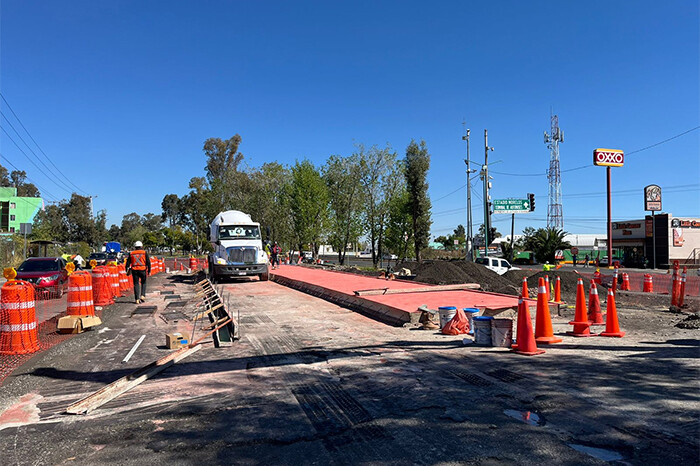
x=500 y=266
x=238 y=248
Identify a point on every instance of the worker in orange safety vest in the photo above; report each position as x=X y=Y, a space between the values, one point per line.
x=138 y=265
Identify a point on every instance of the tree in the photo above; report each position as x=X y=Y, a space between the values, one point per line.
x=80 y=225
x=398 y=236
x=416 y=170
x=546 y=241
x=49 y=224
x=342 y=177
x=170 y=206
x=152 y=222
x=267 y=198
x=197 y=209
x=222 y=175
x=19 y=180
x=382 y=178
x=308 y=202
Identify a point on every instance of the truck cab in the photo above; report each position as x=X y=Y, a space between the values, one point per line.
x=238 y=248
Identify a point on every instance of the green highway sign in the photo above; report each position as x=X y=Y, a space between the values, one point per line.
x=511 y=206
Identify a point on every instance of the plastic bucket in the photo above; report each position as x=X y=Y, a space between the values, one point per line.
x=482 y=330
x=471 y=312
x=446 y=314
x=501 y=333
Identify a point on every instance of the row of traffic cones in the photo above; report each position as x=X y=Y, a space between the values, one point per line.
x=557 y=289
x=583 y=319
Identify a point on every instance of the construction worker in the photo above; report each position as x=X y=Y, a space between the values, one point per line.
x=138 y=264
x=276 y=250
x=547 y=266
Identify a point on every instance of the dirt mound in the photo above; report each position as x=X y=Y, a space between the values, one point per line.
x=459 y=271
x=515 y=277
x=569 y=281
x=691 y=322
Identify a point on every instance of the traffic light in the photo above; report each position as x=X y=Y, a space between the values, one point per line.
x=531 y=197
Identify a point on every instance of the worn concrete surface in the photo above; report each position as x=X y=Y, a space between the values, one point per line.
x=313 y=383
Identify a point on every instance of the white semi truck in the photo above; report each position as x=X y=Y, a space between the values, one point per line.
x=238 y=247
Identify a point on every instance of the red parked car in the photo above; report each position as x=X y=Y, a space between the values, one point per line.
x=47 y=274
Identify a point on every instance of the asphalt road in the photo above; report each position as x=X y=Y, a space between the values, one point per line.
x=312 y=383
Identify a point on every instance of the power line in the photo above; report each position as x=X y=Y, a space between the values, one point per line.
x=589 y=166
x=38 y=146
x=25 y=154
x=42 y=190
x=30 y=150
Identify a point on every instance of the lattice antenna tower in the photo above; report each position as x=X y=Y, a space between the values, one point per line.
x=555 y=215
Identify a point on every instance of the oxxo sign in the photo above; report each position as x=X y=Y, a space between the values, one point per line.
x=608 y=157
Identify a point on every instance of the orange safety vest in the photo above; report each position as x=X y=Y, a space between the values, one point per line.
x=138 y=260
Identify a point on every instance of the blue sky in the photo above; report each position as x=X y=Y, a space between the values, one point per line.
x=121 y=95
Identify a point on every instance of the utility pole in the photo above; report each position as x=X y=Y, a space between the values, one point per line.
x=92 y=209
x=469 y=237
x=487 y=199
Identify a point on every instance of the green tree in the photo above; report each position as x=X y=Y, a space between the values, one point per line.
x=80 y=225
x=398 y=236
x=224 y=180
x=49 y=224
x=416 y=171
x=197 y=209
x=308 y=201
x=342 y=177
x=170 y=206
x=19 y=181
x=267 y=199
x=382 y=178
x=546 y=241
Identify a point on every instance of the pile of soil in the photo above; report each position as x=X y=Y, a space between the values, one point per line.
x=569 y=281
x=691 y=322
x=442 y=272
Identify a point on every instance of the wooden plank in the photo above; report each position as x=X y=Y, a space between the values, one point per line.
x=126 y=383
x=425 y=289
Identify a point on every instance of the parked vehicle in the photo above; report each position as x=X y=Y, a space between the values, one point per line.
x=500 y=266
x=99 y=257
x=47 y=274
x=238 y=247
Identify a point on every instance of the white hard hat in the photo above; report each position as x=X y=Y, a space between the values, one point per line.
x=138 y=244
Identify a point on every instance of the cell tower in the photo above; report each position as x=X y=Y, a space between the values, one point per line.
x=555 y=216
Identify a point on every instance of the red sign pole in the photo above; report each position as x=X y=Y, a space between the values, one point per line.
x=610 y=258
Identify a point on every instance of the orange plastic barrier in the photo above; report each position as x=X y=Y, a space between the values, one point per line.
x=101 y=286
x=648 y=283
x=114 y=280
x=123 y=279
x=80 y=294
x=625 y=282
x=193 y=263
x=18 y=325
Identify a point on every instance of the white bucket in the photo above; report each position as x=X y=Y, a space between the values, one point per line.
x=501 y=333
x=446 y=314
x=482 y=330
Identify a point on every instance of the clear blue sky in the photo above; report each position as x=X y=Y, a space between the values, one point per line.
x=122 y=94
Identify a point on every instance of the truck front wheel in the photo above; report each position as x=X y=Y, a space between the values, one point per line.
x=265 y=276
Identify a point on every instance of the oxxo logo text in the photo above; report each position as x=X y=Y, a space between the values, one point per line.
x=608 y=157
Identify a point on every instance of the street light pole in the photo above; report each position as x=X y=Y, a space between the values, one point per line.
x=487 y=209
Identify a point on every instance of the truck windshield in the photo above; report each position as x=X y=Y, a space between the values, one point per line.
x=239 y=232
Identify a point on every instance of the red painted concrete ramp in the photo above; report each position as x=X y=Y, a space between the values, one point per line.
x=397 y=308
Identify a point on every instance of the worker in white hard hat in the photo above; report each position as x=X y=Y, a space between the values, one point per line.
x=138 y=265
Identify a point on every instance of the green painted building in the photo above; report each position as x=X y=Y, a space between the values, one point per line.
x=15 y=210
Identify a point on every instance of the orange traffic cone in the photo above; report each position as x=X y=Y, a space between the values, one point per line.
x=546 y=284
x=614 y=282
x=595 y=317
x=675 y=289
x=582 y=328
x=525 y=340
x=612 y=326
x=557 y=290
x=543 y=324
x=525 y=293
